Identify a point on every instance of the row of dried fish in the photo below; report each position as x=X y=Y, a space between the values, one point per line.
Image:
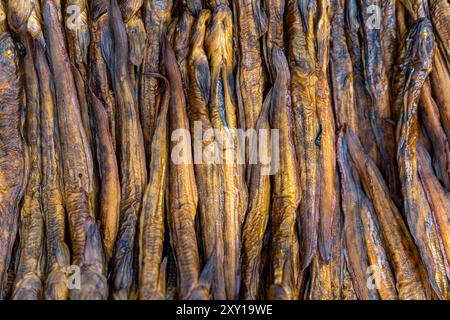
x=353 y=202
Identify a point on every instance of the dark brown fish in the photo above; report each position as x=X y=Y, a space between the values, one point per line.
x=13 y=153
x=419 y=52
x=131 y=156
x=57 y=251
x=151 y=227
x=88 y=253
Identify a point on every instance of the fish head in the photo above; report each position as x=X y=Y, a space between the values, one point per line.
x=420 y=44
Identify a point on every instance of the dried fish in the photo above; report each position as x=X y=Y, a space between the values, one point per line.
x=152 y=229
x=14 y=158
x=286 y=189
x=131 y=156
x=77 y=167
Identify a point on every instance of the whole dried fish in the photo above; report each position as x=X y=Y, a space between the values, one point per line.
x=157 y=17
x=286 y=189
x=327 y=158
x=151 y=227
x=207 y=170
x=131 y=156
x=57 y=251
x=182 y=196
x=438 y=199
x=302 y=64
x=77 y=167
x=419 y=52
x=400 y=246
x=224 y=120
x=13 y=153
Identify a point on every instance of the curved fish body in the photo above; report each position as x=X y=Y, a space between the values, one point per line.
x=327 y=158
x=100 y=51
x=355 y=245
x=341 y=70
x=131 y=155
x=419 y=52
x=182 y=191
x=258 y=209
x=275 y=30
x=151 y=226
x=29 y=274
x=376 y=81
x=57 y=251
x=432 y=124
x=222 y=106
x=302 y=64
x=132 y=17
x=439 y=200
x=109 y=196
x=440 y=16
x=157 y=16
x=181 y=44
x=286 y=190
x=354 y=45
x=13 y=153
x=399 y=243
x=207 y=170
x=77 y=167
x=251 y=25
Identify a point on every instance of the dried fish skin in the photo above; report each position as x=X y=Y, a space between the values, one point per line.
x=400 y=246
x=303 y=67
x=77 y=165
x=257 y=216
x=182 y=194
x=432 y=123
x=376 y=81
x=13 y=153
x=419 y=48
x=379 y=261
x=341 y=70
x=440 y=16
x=131 y=14
x=29 y=274
x=57 y=251
x=181 y=44
x=275 y=29
x=286 y=191
x=222 y=106
x=206 y=170
x=152 y=229
x=99 y=78
x=131 y=156
x=109 y=196
x=327 y=158
x=157 y=16
x=354 y=236
x=438 y=199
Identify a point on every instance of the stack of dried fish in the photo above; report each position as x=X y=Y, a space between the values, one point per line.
x=225 y=149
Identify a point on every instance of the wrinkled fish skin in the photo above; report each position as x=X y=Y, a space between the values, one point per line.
x=29 y=274
x=302 y=65
x=131 y=156
x=207 y=171
x=13 y=159
x=439 y=201
x=57 y=251
x=157 y=16
x=419 y=48
x=77 y=167
x=151 y=233
x=400 y=246
x=327 y=158
x=286 y=191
